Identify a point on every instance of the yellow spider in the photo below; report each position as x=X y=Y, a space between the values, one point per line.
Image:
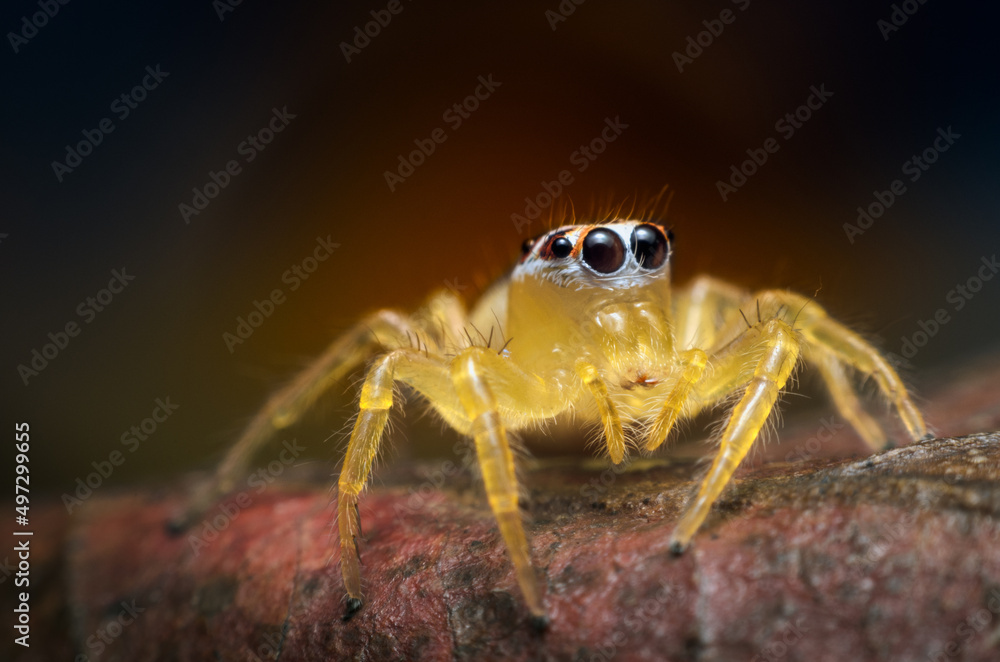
x=586 y=322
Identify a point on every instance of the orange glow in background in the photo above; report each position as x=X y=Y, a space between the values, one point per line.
x=449 y=224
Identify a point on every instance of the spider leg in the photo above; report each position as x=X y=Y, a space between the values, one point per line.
x=761 y=359
x=837 y=382
x=497 y=463
x=460 y=393
x=442 y=317
x=776 y=345
x=851 y=349
x=614 y=435
x=822 y=333
x=706 y=310
x=701 y=308
x=423 y=373
x=286 y=406
x=486 y=384
x=694 y=362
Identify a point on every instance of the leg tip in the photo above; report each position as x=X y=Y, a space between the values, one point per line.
x=539 y=622
x=928 y=437
x=677 y=548
x=353 y=607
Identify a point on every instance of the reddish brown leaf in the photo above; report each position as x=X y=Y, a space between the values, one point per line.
x=891 y=556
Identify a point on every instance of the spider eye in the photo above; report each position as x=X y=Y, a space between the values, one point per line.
x=603 y=251
x=526 y=246
x=561 y=247
x=649 y=246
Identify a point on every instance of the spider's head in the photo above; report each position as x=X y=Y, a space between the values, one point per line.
x=583 y=287
x=618 y=256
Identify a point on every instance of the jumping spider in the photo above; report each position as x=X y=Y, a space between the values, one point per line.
x=594 y=328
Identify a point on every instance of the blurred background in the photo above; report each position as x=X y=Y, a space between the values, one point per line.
x=692 y=87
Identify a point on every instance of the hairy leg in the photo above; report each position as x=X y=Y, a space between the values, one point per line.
x=470 y=392
x=693 y=362
x=497 y=464
x=286 y=406
x=714 y=311
x=701 y=310
x=487 y=385
x=774 y=350
x=846 y=401
x=428 y=374
x=431 y=326
x=821 y=332
x=614 y=436
x=484 y=382
x=825 y=339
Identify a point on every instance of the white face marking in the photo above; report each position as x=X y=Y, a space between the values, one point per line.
x=570 y=257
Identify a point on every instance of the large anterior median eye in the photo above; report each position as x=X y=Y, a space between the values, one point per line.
x=603 y=251
x=649 y=246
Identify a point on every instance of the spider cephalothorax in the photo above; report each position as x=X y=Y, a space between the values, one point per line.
x=593 y=327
